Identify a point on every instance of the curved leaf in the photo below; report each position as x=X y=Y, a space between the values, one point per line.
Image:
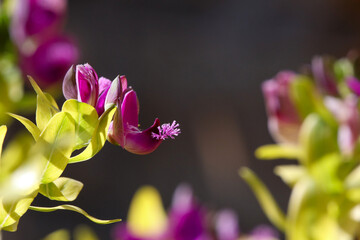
x=75 y=209
x=266 y=200
x=86 y=120
x=45 y=110
x=62 y=189
x=98 y=139
x=30 y=126
x=57 y=140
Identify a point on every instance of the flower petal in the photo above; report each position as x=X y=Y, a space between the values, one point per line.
x=87 y=84
x=69 y=84
x=130 y=110
x=142 y=142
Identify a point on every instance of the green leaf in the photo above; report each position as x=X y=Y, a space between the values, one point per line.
x=30 y=126
x=353 y=179
x=45 y=110
x=57 y=139
x=12 y=210
x=62 y=189
x=267 y=202
x=290 y=174
x=86 y=120
x=75 y=209
x=317 y=139
x=98 y=139
x=61 y=234
x=273 y=151
x=46 y=106
x=3 y=130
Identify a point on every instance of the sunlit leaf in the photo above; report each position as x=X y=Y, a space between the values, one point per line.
x=30 y=126
x=75 y=209
x=86 y=120
x=266 y=200
x=11 y=211
x=98 y=139
x=317 y=139
x=3 y=130
x=62 y=189
x=273 y=151
x=45 y=110
x=290 y=174
x=57 y=139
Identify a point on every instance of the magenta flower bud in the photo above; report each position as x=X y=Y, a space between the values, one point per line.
x=124 y=129
x=37 y=19
x=87 y=84
x=324 y=76
x=283 y=119
x=50 y=61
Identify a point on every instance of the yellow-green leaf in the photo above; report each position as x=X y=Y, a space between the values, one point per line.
x=57 y=139
x=290 y=174
x=75 y=209
x=30 y=126
x=273 y=151
x=46 y=108
x=266 y=200
x=98 y=139
x=86 y=120
x=12 y=210
x=3 y=130
x=62 y=189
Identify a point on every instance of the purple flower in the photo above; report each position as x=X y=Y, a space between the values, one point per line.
x=50 y=61
x=36 y=19
x=124 y=129
x=82 y=83
x=283 y=119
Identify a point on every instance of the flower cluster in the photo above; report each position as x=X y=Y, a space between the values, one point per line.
x=81 y=82
x=186 y=220
x=314 y=117
x=45 y=52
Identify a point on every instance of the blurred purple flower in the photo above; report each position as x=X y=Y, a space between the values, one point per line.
x=124 y=129
x=186 y=217
x=264 y=232
x=354 y=85
x=323 y=74
x=226 y=225
x=37 y=19
x=283 y=119
x=50 y=61
x=347 y=113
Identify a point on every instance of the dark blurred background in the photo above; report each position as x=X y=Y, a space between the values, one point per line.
x=200 y=62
